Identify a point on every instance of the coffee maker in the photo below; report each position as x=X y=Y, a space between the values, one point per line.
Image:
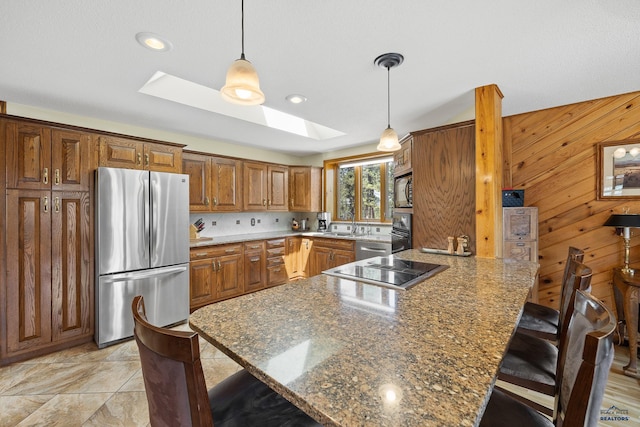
x=324 y=220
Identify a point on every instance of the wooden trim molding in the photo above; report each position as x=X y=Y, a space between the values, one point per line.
x=3 y=107
x=489 y=175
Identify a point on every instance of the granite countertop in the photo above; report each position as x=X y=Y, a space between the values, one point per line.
x=352 y=354
x=238 y=238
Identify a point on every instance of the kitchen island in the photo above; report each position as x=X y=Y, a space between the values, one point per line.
x=354 y=354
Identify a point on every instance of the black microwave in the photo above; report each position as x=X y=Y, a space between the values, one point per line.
x=403 y=192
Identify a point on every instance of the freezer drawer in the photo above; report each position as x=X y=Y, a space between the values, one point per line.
x=166 y=299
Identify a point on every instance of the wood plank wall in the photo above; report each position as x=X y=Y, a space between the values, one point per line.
x=552 y=155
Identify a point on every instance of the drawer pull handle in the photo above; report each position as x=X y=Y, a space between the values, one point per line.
x=146 y=159
x=255 y=259
x=56 y=179
x=139 y=158
x=45 y=176
x=46 y=204
x=229 y=251
x=56 y=204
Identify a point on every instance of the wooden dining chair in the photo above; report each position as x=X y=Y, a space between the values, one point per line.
x=545 y=322
x=176 y=389
x=531 y=362
x=583 y=374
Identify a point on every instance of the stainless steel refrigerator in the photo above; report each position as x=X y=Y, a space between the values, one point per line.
x=142 y=248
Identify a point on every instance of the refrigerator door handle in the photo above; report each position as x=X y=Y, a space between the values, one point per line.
x=121 y=277
x=146 y=230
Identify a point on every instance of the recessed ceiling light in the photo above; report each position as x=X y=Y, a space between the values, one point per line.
x=296 y=99
x=154 y=42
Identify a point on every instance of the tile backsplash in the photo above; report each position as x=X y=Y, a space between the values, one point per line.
x=230 y=224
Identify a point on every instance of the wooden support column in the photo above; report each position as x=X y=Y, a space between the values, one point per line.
x=489 y=172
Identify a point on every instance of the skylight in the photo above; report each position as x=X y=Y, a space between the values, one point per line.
x=172 y=88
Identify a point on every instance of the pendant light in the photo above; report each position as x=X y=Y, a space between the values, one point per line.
x=389 y=138
x=242 y=86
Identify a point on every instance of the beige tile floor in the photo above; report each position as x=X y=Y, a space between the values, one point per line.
x=85 y=386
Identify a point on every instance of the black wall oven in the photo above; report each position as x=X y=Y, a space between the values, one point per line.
x=401 y=232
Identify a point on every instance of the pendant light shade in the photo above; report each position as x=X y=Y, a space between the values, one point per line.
x=389 y=140
x=242 y=85
x=389 y=137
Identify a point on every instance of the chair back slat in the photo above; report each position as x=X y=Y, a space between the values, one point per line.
x=172 y=372
x=579 y=278
x=588 y=349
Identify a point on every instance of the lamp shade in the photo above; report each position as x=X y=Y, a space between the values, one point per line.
x=389 y=140
x=623 y=220
x=242 y=86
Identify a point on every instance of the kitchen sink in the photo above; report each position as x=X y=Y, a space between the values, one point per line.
x=343 y=234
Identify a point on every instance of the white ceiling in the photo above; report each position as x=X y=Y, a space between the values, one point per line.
x=81 y=57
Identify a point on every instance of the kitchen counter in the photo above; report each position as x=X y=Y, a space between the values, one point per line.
x=221 y=240
x=352 y=354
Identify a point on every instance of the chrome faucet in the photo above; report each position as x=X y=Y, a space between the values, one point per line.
x=354 y=230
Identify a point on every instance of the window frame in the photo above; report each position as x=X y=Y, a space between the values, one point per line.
x=331 y=179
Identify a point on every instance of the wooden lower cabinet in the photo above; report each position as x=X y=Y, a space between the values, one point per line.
x=49 y=294
x=276 y=266
x=329 y=253
x=292 y=258
x=255 y=266
x=216 y=273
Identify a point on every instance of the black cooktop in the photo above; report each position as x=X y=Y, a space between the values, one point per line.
x=387 y=271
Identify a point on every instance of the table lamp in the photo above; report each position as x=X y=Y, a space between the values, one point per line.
x=624 y=223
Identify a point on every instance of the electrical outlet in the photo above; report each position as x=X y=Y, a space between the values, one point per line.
x=377 y=229
x=213 y=223
x=258 y=220
x=253 y=222
x=277 y=219
x=237 y=222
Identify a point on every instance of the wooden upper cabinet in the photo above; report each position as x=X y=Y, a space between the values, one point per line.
x=42 y=158
x=266 y=187
x=225 y=185
x=278 y=188
x=162 y=158
x=70 y=160
x=198 y=167
x=28 y=156
x=132 y=154
x=255 y=186
x=214 y=183
x=402 y=157
x=305 y=189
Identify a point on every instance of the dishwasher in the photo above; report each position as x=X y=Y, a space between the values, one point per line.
x=365 y=249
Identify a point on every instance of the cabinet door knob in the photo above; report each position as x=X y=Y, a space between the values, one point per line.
x=56 y=204
x=219 y=265
x=264 y=202
x=139 y=158
x=146 y=159
x=215 y=201
x=45 y=201
x=206 y=201
x=45 y=176
x=56 y=177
